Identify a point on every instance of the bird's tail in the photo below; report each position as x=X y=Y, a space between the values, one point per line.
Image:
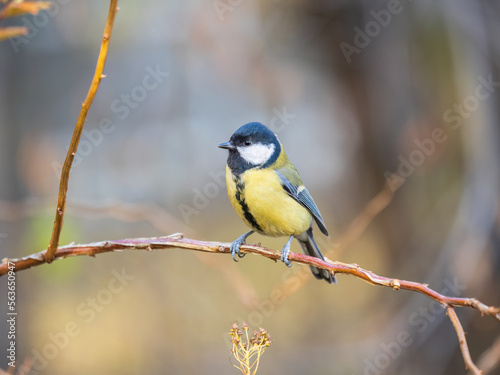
x=309 y=247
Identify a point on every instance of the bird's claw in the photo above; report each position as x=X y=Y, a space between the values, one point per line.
x=287 y=262
x=235 y=249
x=235 y=246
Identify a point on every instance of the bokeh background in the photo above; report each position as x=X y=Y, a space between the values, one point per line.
x=355 y=90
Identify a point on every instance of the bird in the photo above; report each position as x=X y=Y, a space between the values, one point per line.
x=267 y=193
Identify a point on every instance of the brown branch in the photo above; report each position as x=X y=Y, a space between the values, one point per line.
x=469 y=364
x=372 y=209
x=353 y=232
x=178 y=241
x=149 y=212
x=75 y=140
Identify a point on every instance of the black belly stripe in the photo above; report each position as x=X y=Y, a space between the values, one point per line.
x=246 y=211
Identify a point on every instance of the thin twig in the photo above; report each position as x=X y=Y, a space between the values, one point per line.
x=372 y=209
x=469 y=364
x=75 y=140
x=353 y=232
x=178 y=241
x=149 y=212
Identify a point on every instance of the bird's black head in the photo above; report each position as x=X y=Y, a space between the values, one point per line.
x=252 y=146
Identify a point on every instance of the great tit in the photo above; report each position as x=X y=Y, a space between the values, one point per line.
x=266 y=191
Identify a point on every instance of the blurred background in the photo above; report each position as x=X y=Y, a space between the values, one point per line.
x=361 y=93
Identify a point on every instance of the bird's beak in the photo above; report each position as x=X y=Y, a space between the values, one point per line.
x=227 y=145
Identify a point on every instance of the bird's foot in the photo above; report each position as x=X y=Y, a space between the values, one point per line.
x=285 y=251
x=235 y=246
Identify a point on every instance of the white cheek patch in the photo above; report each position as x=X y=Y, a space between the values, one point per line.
x=257 y=153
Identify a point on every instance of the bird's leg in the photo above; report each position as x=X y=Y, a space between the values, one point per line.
x=285 y=251
x=235 y=246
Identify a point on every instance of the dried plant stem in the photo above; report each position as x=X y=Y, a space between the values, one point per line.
x=75 y=140
x=248 y=350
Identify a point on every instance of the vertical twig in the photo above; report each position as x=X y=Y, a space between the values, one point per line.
x=75 y=140
x=469 y=363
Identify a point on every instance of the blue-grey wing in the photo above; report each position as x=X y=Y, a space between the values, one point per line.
x=302 y=195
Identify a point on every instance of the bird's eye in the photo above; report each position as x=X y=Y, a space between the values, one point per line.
x=247 y=143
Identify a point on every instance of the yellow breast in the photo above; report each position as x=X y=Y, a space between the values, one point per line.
x=258 y=198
